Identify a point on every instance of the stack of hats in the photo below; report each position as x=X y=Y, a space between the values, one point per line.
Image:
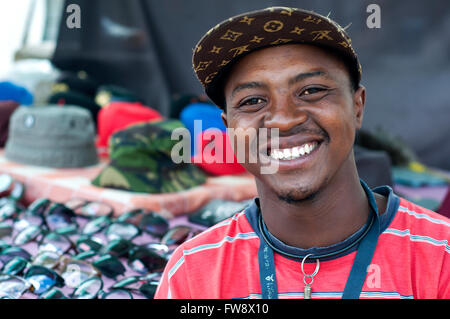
x=76 y=89
x=141 y=161
x=179 y=101
x=200 y=118
x=6 y=110
x=117 y=116
x=107 y=94
x=52 y=136
x=13 y=92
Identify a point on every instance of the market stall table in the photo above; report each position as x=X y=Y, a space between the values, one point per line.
x=60 y=185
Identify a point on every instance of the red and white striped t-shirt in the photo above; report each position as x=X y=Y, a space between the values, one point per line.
x=411 y=260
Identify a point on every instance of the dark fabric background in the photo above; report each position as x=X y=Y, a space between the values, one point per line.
x=146 y=46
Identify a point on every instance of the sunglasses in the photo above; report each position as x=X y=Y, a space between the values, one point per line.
x=145 y=285
x=87 y=208
x=44 y=213
x=178 y=235
x=11 y=188
x=92 y=288
x=10 y=209
x=16 y=266
x=42 y=279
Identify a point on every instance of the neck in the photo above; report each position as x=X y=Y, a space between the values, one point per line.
x=327 y=218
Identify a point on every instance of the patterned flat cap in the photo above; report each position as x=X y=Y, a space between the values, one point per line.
x=232 y=39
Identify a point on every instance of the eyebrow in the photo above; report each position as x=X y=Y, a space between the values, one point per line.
x=248 y=85
x=258 y=85
x=302 y=76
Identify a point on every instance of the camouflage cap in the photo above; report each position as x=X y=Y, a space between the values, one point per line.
x=141 y=161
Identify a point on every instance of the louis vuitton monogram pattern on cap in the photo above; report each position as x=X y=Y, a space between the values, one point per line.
x=231 y=39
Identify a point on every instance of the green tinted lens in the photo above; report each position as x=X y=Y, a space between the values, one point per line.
x=15 y=266
x=131 y=216
x=27 y=235
x=55 y=242
x=85 y=243
x=110 y=266
x=47 y=259
x=117 y=247
x=12 y=287
x=148 y=289
x=143 y=260
x=96 y=225
x=53 y=294
x=176 y=235
x=5 y=230
x=39 y=206
x=117 y=294
x=122 y=230
x=154 y=224
x=132 y=282
x=88 y=289
x=9 y=209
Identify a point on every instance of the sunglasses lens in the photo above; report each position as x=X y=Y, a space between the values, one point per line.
x=85 y=243
x=39 y=206
x=128 y=283
x=143 y=261
x=53 y=294
x=148 y=289
x=17 y=191
x=59 y=216
x=94 y=209
x=176 y=235
x=154 y=224
x=110 y=266
x=88 y=289
x=9 y=209
x=5 y=183
x=5 y=230
x=47 y=259
x=15 y=266
x=27 y=235
x=96 y=225
x=117 y=247
x=55 y=242
x=75 y=271
x=12 y=287
x=121 y=230
x=42 y=279
x=11 y=252
x=118 y=294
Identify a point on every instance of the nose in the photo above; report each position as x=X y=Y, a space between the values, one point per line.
x=284 y=115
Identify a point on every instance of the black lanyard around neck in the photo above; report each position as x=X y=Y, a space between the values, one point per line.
x=358 y=273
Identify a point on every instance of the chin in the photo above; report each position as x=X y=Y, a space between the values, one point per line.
x=297 y=195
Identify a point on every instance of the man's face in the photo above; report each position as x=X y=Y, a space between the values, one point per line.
x=304 y=92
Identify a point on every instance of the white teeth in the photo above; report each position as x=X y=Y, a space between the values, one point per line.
x=293 y=153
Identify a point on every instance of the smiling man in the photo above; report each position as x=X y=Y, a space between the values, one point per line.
x=316 y=230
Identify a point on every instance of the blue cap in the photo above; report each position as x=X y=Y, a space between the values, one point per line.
x=13 y=92
x=208 y=114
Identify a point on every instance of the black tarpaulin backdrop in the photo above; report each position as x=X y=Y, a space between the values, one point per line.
x=146 y=46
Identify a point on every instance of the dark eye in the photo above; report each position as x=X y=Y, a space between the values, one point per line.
x=313 y=90
x=252 y=101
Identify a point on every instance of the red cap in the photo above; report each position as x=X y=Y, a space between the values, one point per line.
x=213 y=148
x=119 y=115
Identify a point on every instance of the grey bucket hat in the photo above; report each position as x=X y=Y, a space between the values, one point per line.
x=52 y=136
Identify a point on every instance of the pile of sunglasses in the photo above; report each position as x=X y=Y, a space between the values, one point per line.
x=78 y=250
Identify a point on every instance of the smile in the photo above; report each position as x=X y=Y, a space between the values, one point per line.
x=287 y=154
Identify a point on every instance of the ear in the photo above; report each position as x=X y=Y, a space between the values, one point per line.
x=224 y=119
x=359 y=101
